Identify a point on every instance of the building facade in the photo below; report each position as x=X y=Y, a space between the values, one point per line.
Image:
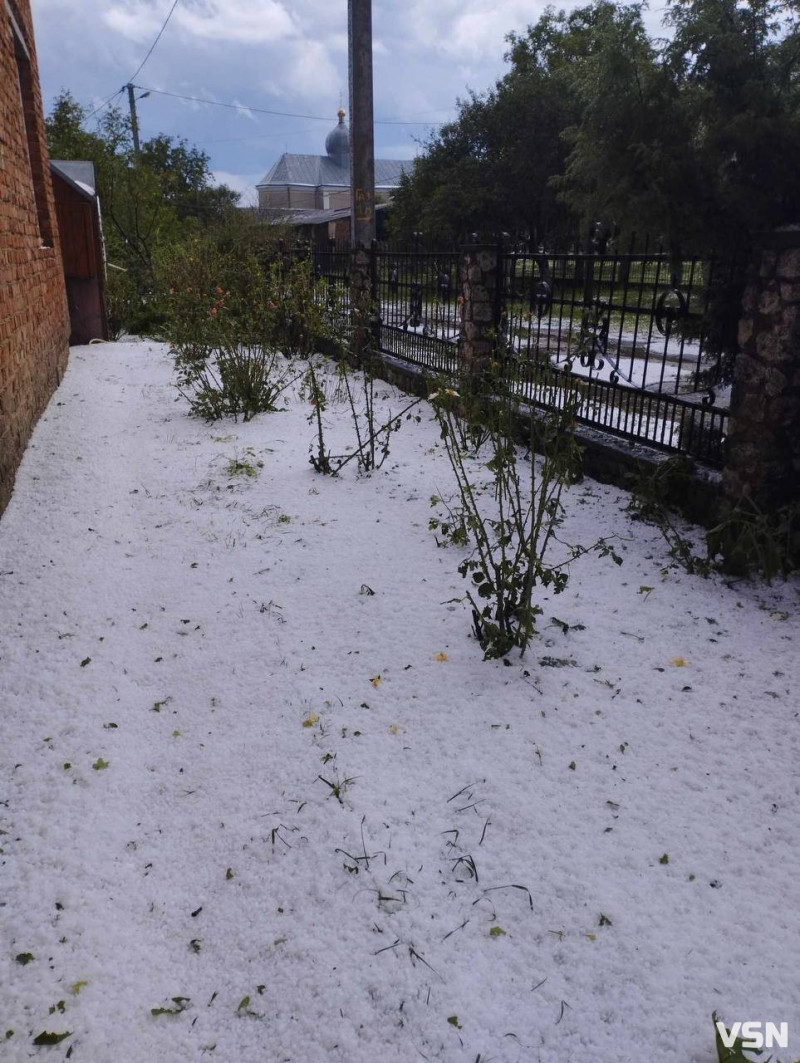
x=80 y=233
x=34 y=321
x=322 y=182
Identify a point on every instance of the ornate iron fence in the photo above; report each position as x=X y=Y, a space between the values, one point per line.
x=417 y=296
x=641 y=336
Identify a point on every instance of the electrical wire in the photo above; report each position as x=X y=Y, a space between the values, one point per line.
x=150 y=51
x=257 y=136
x=262 y=110
x=104 y=104
x=155 y=42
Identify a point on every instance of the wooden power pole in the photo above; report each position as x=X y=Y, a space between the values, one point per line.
x=362 y=137
x=134 y=119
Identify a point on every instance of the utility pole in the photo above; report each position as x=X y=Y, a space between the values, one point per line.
x=134 y=119
x=362 y=136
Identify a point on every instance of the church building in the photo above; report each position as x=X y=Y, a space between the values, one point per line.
x=322 y=182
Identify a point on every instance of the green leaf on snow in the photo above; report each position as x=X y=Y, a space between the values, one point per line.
x=45 y=1038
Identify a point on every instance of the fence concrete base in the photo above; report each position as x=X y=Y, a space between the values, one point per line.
x=605 y=458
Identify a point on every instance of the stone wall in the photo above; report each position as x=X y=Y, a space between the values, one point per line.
x=479 y=279
x=763 y=448
x=34 y=322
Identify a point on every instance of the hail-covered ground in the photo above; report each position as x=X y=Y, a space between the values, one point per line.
x=261 y=798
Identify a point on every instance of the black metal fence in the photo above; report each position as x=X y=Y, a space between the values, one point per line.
x=640 y=336
x=417 y=295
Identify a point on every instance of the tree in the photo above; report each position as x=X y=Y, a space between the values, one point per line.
x=627 y=152
x=148 y=202
x=694 y=140
x=736 y=65
x=490 y=169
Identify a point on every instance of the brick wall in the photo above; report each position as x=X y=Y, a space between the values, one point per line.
x=34 y=322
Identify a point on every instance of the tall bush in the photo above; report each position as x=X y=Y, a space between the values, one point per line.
x=510 y=509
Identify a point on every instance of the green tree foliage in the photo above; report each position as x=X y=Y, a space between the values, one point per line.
x=737 y=66
x=184 y=175
x=694 y=138
x=148 y=203
x=627 y=164
x=491 y=168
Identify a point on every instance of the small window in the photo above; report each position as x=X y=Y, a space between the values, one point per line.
x=32 y=132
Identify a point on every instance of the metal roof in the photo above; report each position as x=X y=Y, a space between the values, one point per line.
x=318 y=217
x=78 y=173
x=314 y=171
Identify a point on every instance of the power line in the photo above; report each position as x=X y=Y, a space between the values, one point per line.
x=236 y=106
x=256 y=136
x=240 y=140
x=104 y=104
x=155 y=42
x=262 y=110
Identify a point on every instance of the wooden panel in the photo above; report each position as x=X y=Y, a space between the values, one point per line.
x=76 y=217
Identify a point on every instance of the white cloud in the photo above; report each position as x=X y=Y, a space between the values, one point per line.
x=245 y=184
x=398 y=151
x=307 y=72
x=135 y=25
x=241 y=21
x=279 y=55
x=244 y=111
x=467 y=29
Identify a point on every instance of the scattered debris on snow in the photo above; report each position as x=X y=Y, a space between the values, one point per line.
x=262 y=799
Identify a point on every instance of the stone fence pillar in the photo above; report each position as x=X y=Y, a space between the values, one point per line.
x=480 y=280
x=763 y=446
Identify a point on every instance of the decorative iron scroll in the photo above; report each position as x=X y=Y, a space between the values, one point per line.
x=593 y=338
x=443 y=284
x=541 y=294
x=414 y=318
x=672 y=306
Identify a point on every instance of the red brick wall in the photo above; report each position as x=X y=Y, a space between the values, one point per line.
x=34 y=323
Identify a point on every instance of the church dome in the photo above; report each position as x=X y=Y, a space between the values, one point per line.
x=337 y=143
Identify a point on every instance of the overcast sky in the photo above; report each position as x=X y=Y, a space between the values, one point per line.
x=283 y=55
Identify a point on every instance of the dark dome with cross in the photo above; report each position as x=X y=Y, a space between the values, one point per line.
x=322 y=182
x=337 y=143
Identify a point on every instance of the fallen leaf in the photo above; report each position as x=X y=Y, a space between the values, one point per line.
x=442 y=657
x=45 y=1038
x=678 y=662
x=394 y=729
x=376 y=680
x=310 y=720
